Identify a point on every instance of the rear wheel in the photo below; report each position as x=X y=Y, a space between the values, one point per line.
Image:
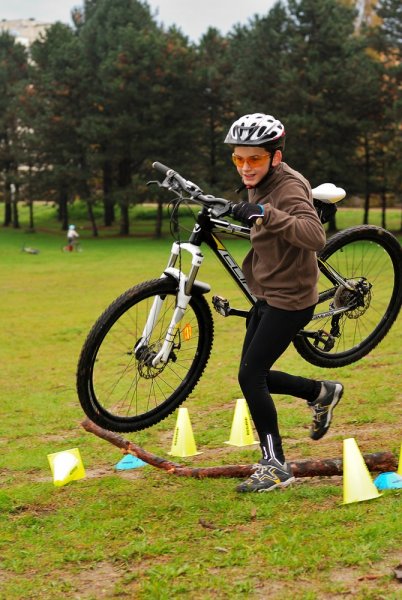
x=118 y=388
x=370 y=258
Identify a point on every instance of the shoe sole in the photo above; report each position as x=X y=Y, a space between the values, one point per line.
x=330 y=411
x=282 y=484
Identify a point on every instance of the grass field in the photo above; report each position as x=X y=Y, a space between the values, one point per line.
x=147 y=534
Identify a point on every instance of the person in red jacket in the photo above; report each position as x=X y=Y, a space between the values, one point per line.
x=281 y=271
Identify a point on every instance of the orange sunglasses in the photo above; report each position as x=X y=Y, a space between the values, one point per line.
x=253 y=161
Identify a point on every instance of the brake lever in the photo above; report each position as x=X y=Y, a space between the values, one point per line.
x=154 y=182
x=225 y=210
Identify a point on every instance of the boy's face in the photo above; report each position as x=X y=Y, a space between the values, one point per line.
x=253 y=163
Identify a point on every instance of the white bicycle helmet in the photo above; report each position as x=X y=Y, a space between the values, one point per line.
x=257 y=130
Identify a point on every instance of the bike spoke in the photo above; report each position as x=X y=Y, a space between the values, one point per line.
x=368 y=263
x=128 y=387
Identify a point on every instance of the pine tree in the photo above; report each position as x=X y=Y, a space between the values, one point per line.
x=13 y=73
x=388 y=42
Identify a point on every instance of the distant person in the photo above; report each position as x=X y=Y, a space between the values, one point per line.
x=282 y=272
x=72 y=237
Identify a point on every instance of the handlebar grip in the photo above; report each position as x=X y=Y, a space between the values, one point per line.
x=161 y=168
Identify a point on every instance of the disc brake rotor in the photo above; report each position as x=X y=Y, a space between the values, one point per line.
x=359 y=299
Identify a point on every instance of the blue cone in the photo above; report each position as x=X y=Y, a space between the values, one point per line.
x=130 y=462
x=388 y=481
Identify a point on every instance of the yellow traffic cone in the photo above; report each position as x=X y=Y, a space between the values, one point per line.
x=241 y=433
x=183 y=443
x=357 y=482
x=399 y=471
x=66 y=466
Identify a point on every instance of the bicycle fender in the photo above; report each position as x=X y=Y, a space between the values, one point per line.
x=199 y=287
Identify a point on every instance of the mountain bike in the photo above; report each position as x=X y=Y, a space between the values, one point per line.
x=147 y=351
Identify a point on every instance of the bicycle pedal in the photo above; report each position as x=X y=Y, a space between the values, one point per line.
x=221 y=305
x=326 y=339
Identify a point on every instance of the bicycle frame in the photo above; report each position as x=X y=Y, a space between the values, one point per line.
x=206 y=231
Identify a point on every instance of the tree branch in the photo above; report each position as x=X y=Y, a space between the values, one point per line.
x=379 y=461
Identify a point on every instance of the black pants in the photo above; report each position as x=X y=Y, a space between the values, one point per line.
x=269 y=332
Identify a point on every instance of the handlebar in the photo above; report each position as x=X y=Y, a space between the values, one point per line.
x=219 y=206
x=161 y=168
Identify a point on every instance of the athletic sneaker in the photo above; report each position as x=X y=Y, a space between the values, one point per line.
x=322 y=408
x=269 y=474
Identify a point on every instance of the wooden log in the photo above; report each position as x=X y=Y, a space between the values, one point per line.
x=326 y=467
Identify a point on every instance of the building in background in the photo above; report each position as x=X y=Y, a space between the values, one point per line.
x=25 y=31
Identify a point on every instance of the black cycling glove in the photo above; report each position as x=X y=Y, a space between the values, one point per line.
x=246 y=212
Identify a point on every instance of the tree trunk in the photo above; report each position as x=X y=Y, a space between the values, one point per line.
x=31 y=216
x=384 y=197
x=124 y=180
x=86 y=192
x=108 y=204
x=63 y=207
x=212 y=147
x=159 y=219
x=7 y=206
x=124 y=220
x=91 y=218
x=14 y=205
x=367 y=181
x=30 y=202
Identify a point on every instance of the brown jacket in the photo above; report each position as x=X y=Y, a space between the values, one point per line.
x=281 y=267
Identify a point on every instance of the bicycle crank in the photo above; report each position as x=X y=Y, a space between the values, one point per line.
x=222 y=306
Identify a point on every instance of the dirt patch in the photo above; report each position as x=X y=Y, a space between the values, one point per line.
x=101 y=580
x=378 y=581
x=57 y=437
x=4 y=577
x=102 y=471
x=97 y=582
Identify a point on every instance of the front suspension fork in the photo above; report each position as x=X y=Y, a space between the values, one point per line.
x=183 y=297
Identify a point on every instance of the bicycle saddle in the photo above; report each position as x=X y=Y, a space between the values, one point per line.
x=329 y=193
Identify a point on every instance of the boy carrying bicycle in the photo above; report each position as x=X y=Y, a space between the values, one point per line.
x=281 y=271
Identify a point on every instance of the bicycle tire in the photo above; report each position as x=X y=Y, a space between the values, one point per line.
x=364 y=251
x=121 y=393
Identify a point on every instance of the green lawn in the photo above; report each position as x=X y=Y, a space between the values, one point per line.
x=148 y=534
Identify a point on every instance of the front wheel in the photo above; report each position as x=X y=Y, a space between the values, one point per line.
x=118 y=388
x=370 y=259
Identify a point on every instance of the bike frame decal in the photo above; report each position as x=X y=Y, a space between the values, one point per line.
x=229 y=263
x=219 y=245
